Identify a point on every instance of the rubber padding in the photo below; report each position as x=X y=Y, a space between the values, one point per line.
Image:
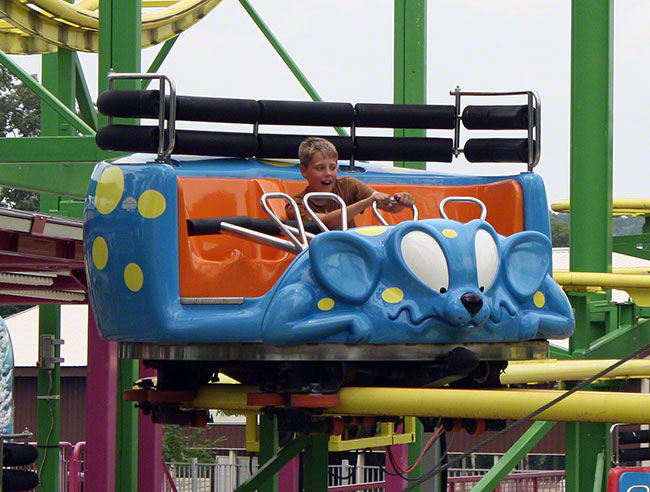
x=314 y=401
x=306 y=113
x=496 y=150
x=495 y=117
x=145 y=104
x=273 y=146
x=404 y=149
x=19 y=480
x=266 y=399
x=203 y=227
x=129 y=138
x=19 y=454
x=634 y=437
x=633 y=454
x=404 y=116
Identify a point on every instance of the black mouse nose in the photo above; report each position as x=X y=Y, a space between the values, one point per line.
x=472 y=302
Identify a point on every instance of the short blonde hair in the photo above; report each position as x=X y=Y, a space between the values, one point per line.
x=311 y=145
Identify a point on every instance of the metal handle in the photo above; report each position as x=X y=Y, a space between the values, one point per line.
x=301 y=243
x=375 y=210
x=464 y=199
x=164 y=153
x=331 y=196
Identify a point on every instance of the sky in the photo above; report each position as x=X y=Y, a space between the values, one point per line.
x=346 y=51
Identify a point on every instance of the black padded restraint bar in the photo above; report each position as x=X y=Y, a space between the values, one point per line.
x=404 y=116
x=496 y=150
x=144 y=104
x=306 y=113
x=274 y=146
x=495 y=117
x=404 y=149
x=203 y=227
x=130 y=138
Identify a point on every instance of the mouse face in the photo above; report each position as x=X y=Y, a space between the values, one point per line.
x=429 y=281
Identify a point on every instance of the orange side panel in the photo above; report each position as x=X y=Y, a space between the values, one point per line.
x=221 y=265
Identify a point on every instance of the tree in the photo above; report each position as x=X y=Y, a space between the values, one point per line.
x=20 y=116
x=559 y=233
x=20 y=108
x=180 y=444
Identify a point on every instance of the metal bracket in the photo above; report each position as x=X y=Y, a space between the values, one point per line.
x=47 y=351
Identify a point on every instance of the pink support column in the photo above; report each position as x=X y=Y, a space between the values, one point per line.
x=150 y=458
x=288 y=476
x=101 y=409
x=400 y=455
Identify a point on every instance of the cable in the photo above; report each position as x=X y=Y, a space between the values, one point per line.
x=49 y=434
x=434 y=471
x=426 y=447
x=335 y=474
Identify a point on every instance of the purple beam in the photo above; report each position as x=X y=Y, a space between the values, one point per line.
x=101 y=411
x=400 y=455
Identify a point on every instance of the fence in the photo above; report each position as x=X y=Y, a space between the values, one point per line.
x=517 y=482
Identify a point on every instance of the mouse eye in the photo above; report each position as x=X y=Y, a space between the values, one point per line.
x=487 y=258
x=424 y=257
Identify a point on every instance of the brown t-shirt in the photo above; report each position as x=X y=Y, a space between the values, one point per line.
x=350 y=189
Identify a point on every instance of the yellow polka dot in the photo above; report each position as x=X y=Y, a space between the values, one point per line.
x=392 y=295
x=133 y=277
x=325 y=304
x=100 y=253
x=109 y=190
x=539 y=299
x=371 y=230
x=450 y=233
x=151 y=204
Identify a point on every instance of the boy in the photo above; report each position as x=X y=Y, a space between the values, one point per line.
x=318 y=165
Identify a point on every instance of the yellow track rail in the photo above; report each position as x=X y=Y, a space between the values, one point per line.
x=629 y=207
x=40 y=26
x=637 y=286
x=583 y=406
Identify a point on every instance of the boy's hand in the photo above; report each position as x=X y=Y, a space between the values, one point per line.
x=405 y=199
x=381 y=198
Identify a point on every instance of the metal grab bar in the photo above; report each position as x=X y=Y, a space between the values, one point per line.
x=380 y=218
x=164 y=153
x=464 y=199
x=331 y=196
x=301 y=244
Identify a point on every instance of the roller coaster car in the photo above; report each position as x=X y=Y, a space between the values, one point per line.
x=187 y=270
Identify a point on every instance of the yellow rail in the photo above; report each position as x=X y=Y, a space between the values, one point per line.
x=629 y=207
x=637 y=286
x=586 y=406
x=522 y=372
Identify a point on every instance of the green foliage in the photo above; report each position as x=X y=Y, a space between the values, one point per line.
x=180 y=444
x=20 y=108
x=559 y=232
x=9 y=310
x=20 y=116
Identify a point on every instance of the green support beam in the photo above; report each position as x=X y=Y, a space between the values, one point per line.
x=269 y=447
x=414 y=451
x=275 y=464
x=591 y=201
x=84 y=99
x=514 y=455
x=315 y=464
x=49 y=402
x=50 y=99
x=158 y=61
x=286 y=58
x=410 y=62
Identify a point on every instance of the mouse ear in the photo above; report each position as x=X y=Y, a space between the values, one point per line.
x=527 y=259
x=345 y=264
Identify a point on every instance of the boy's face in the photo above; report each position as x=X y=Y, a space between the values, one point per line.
x=320 y=173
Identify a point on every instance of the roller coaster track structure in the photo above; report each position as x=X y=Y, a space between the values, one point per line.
x=41 y=26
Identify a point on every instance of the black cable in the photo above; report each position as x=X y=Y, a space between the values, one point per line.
x=335 y=474
x=431 y=473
